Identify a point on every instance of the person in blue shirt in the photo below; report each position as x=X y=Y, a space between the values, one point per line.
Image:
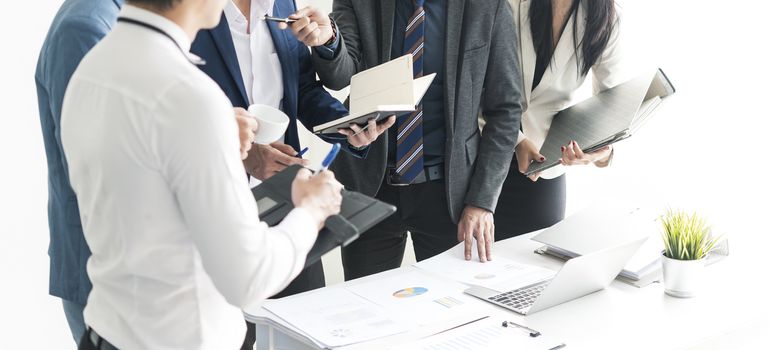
x=77 y=27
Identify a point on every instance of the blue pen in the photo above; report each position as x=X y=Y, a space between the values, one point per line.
x=330 y=157
x=302 y=152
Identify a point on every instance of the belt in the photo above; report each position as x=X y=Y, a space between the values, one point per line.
x=98 y=342
x=431 y=173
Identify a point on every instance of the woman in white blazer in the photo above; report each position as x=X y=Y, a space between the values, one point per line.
x=561 y=42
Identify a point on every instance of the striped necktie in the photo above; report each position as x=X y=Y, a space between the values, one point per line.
x=409 y=152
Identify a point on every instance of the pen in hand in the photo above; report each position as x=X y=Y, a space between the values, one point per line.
x=302 y=152
x=330 y=157
x=278 y=19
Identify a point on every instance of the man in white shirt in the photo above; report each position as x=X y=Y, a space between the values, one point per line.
x=177 y=246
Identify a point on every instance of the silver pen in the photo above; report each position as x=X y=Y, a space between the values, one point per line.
x=278 y=19
x=532 y=333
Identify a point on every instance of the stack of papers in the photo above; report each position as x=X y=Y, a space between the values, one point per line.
x=334 y=317
x=499 y=274
x=363 y=312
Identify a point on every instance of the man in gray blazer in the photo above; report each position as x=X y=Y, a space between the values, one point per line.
x=436 y=166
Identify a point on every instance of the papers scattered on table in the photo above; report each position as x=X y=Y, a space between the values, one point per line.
x=335 y=317
x=484 y=335
x=415 y=296
x=500 y=274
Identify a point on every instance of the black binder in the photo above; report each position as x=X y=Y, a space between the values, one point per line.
x=609 y=117
x=358 y=214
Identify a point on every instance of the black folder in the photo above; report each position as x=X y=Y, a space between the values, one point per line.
x=358 y=213
x=608 y=117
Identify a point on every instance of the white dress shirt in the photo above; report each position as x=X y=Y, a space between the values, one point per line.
x=178 y=248
x=557 y=89
x=257 y=58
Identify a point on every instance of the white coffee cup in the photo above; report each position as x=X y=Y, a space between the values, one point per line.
x=272 y=123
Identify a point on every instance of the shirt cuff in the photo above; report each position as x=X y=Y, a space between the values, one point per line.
x=327 y=52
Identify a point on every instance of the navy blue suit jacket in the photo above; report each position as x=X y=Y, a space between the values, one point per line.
x=303 y=95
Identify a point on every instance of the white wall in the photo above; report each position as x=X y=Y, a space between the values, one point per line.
x=705 y=150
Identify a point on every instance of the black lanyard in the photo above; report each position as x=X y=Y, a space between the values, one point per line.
x=197 y=62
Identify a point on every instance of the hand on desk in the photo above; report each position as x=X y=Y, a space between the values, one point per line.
x=312 y=26
x=476 y=223
x=319 y=194
x=572 y=155
x=247 y=129
x=357 y=137
x=526 y=153
x=265 y=161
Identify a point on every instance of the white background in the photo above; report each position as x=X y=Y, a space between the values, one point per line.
x=705 y=150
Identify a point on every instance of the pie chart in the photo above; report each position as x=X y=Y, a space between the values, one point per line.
x=410 y=292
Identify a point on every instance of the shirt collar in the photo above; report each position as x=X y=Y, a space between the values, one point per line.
x=162 y=23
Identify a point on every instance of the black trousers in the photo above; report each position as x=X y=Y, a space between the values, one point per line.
x=310 y=278
x=526 y=206
x=423 y=210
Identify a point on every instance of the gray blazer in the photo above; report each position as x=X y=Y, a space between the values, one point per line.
x=481 y=77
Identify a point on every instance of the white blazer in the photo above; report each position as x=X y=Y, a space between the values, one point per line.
x=562 y=78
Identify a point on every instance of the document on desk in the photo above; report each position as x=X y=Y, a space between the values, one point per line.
x=336 y=317
x=487 y=334
x=500 y=274
x=417 y=296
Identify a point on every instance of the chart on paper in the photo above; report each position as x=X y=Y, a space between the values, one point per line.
x=414 y=295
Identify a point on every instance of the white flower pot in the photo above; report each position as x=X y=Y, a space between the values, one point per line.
x=683 y=278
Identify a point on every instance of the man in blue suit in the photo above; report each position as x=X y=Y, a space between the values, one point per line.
x=77 y=27
x=255 y=62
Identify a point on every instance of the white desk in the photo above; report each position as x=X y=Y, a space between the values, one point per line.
x=621 y=316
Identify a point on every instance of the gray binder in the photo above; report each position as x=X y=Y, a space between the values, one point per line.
x=358 y=213
x=611 y=116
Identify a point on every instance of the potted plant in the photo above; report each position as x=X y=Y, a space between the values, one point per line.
x=688 y=240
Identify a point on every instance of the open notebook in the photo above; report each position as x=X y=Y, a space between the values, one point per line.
x=377 y=93
x=611 y=116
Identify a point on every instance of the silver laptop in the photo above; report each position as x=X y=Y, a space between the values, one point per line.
x=578 y=277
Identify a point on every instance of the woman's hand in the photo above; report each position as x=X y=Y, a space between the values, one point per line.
x=573 y=155
x=526 y=153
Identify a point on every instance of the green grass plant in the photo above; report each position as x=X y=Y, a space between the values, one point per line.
x=687 y=236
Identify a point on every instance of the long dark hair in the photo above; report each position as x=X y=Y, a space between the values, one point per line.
x=598 y=29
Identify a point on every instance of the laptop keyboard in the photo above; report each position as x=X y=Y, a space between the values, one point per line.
x=520 y=299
